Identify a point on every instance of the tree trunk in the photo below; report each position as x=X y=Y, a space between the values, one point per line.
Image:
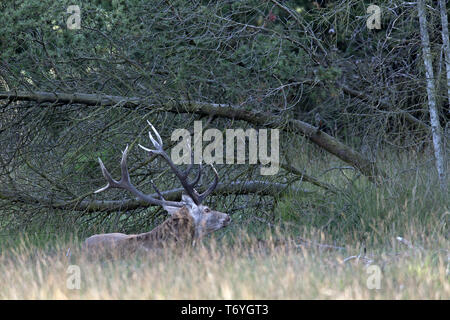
x=325 y=141
x=431 y=92
x=445 y=41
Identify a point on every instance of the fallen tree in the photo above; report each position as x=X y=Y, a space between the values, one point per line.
x=263 y=188
x=323 y=140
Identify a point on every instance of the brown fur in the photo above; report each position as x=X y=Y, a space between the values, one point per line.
x=178 y=230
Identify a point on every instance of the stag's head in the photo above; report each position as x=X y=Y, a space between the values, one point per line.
x=205 y=220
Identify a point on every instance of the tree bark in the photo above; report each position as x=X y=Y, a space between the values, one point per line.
x=445 y=41
x=431 y=92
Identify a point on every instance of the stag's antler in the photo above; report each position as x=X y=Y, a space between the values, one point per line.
x=189 y=187
x=125 y=183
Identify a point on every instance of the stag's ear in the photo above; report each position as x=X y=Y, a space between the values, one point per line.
x=171 y=210
x=188 y=201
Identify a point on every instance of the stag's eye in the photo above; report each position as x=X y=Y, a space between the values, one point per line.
x=207 y=210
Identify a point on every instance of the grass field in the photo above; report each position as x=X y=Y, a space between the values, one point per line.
x=366 y=242
x=245 y=270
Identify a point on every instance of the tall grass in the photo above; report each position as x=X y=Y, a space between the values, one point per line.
x=314 y=246
x=245 y=269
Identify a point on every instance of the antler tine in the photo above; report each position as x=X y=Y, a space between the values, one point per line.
x=197 y=178
x=124 y=168
x=157 y=144
x=157 y=190
x=107 y=176
x=112 y=183
x=211 y=188
x=160 y=143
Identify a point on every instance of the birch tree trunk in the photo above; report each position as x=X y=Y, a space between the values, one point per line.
x=445 y=41
x=431 y=92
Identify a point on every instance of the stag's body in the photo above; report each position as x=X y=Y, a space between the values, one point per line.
x=189 y=220
x=178 y=230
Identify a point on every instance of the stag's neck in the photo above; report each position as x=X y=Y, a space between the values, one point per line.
x=178 y=229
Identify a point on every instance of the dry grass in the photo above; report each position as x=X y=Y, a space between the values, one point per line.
x=246 y=269
x=362 y=222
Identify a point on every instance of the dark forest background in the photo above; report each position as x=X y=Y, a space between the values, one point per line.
x=68 y=97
